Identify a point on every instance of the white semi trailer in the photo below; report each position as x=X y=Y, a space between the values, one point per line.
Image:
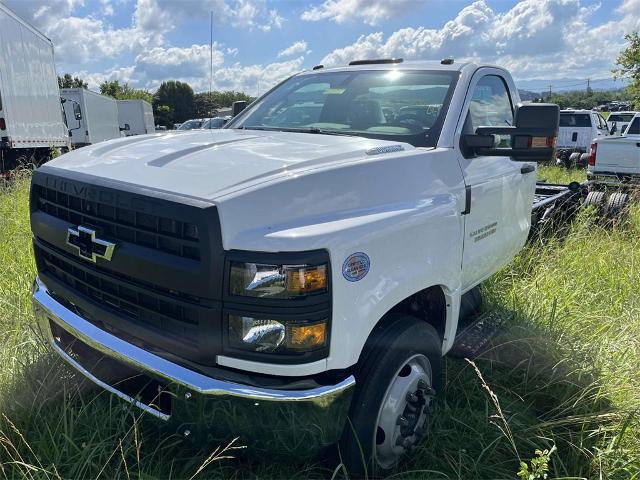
x=31 y=120
x=91 y=117
x=135 y=117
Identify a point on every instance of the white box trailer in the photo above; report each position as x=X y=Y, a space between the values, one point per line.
x=138 y=115
x=31 y=120
x=91 y=117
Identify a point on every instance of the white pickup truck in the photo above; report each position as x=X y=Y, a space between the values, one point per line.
x=577 y=130
x=615 y=161
x=283 y=276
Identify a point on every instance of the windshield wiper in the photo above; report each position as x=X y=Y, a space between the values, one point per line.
x=299 y=130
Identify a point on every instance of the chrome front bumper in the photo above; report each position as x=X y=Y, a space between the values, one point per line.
x=201 y=402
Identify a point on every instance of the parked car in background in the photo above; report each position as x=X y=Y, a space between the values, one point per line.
x=618 y=121
x=31 y=120
x=192 y=124
x=215 y=122
x=135 y=117
x=615 y=161
x=175 y=126
x=577 y=130
x=91 y=117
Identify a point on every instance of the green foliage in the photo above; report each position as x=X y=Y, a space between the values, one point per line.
x=539 y=469
x=179 y=97
x=207 y=104
x=628 y=63
x=124 y=92
x=67 y=81
x=586 y=99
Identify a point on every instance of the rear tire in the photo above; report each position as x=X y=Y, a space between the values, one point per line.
x=617 y=207
x=574 y=160
x=397 y=377
x=584 y=160
x=595 y=199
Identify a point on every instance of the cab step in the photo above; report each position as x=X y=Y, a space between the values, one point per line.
x=477 y=336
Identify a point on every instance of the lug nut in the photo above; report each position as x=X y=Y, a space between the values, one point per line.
x=412 y=397
x=187 y=433
x=403 y=422
x=187 y=396
x=422 y=384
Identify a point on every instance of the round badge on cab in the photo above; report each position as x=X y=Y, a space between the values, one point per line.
x=356 y=266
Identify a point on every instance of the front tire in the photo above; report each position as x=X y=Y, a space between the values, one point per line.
x=397 y=378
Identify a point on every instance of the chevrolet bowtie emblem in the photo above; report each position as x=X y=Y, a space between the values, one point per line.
x=89 y=247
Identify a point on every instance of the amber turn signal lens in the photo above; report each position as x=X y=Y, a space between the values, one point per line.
x=307 y=337
x=307 y=279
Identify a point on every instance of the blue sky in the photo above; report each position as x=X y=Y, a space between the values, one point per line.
x=259 y=42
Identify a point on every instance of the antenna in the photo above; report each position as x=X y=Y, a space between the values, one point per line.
x=211 y=61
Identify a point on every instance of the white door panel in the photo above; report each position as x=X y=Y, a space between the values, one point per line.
x=499 y=215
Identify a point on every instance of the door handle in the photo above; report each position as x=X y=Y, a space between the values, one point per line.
x=527 y=169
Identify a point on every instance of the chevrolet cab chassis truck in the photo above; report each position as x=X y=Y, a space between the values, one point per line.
x=296 y=277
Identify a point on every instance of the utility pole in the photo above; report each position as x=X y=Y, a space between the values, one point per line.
x=211 y=63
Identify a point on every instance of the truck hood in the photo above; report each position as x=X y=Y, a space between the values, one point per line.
x=211 y=163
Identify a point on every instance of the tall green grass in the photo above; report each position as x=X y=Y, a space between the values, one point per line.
x=564 y=376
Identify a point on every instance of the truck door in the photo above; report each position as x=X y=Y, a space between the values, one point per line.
x=499 y=191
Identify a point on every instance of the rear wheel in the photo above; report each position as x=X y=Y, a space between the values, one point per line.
x=595 y=199
x=617 y=206
x=574 y=160
x=396 y=381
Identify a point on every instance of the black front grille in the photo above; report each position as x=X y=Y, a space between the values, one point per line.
x=168 y=235
x=165 y=311
x=162 y=287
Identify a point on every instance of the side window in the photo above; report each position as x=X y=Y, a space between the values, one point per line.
x=490 y=106
x=634 y=128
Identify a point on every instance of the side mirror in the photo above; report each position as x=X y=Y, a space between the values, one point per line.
x=126 y=128
x=239 y=106
x=614 y=128
x=77 y=113
x=533 y=137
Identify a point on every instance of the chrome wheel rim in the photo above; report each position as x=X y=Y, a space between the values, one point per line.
x=402 y=416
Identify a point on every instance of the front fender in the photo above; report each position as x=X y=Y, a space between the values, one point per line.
x=402 y=211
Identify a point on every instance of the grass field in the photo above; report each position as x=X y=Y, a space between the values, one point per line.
x=565 y=378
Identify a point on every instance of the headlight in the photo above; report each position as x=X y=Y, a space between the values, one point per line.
x=266 y=335
x=277 y=281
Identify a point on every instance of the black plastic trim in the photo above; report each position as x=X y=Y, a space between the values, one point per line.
x=284 y=358
x=311 y=257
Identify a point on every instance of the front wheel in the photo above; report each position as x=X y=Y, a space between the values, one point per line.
x=397 y=379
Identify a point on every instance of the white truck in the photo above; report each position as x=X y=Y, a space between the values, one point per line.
x=577 y=130
x=31 y=120
x=619 y=121
x=614 y=164
x=294 y=278
x=91 y=117
x=135 y=117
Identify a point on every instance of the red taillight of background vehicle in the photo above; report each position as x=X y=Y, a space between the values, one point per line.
x=592 y=154
x=3 y=124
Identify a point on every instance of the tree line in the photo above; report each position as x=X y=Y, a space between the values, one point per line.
x=173 y=101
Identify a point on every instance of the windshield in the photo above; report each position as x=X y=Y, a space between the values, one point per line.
x=620 y=117
x=575 y=120
x=397 y=105
x=190 y=125
x=214 y=123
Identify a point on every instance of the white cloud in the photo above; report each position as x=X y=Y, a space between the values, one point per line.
x=535 y=39
x=174 y=62
x=294 y=49
x=369 y=11
x=122 y=74
x=162 y=16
